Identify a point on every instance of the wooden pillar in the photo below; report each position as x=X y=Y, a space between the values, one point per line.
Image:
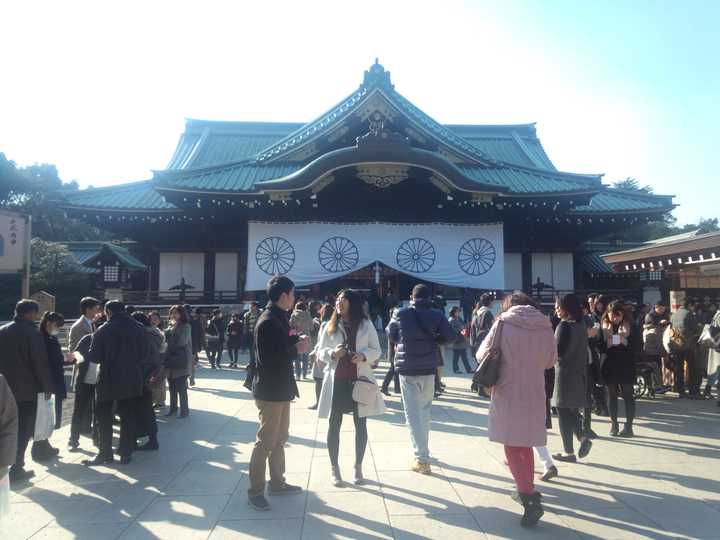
x=243 y=260
x=527 y=277
x=209 y=277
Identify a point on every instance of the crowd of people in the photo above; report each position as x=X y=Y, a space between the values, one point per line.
x=572 y=363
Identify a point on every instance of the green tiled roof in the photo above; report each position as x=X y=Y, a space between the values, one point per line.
x=592 y=263
x=530 y=180
x=136 y=196
x=239 y=177
x=86 y=252
x=612 y=200
x=207 y=142
x=244 y=176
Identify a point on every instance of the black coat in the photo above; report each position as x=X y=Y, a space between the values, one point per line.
x=234 y=335
x=121 y=348
x=23 y=360
x=274 y=352
x=56 y=361
x=198 y=335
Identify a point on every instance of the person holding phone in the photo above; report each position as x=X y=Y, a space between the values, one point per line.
x=350 y=347
x=618 y=370
x=274 y=388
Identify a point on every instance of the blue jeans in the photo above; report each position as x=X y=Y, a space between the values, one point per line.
x=417 y=395
x=301 y=365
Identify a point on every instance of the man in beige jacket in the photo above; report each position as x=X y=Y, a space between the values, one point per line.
x=84 y=393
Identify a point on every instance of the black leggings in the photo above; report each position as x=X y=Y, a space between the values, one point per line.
x=626 y=390
x=570 y=426
x=342 y=397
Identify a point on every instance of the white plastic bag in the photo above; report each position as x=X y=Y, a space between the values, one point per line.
x=91 y=376
x=4 y=496
x=45 y=417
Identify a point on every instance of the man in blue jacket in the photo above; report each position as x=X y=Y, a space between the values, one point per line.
x=418 y=331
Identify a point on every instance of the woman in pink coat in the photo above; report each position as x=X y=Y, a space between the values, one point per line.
x=517 y=407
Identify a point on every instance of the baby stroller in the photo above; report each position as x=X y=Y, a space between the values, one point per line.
x=647 y=378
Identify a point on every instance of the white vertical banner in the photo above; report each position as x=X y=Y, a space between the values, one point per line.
x=13 y=241
x=457 y=255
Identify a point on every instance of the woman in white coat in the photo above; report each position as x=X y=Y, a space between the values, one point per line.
x=350 y=348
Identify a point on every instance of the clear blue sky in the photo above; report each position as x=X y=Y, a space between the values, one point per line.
x=625 y=88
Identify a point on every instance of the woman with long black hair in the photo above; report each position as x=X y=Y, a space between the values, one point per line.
x=618 y=370
x=50 y=326
x=178 y=359
x=350 y=348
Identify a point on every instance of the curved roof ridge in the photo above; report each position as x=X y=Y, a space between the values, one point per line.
x=115 y=187
x=179 y=173
x=319 y=124
x=636 y=193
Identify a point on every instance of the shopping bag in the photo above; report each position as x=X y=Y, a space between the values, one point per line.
x=45 y=417
x=4 y=496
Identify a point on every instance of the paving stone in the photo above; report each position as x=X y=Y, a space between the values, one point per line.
x=664 y=483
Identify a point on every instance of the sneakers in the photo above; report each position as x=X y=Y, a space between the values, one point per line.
x=420 y=467
x=259 y=503
x=285 y=489
x=149 y=446
x=99 y=460
x=551 y=473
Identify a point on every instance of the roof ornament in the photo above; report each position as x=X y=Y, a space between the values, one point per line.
x=377 y=76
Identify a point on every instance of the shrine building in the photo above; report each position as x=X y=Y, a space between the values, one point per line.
x=372 y=193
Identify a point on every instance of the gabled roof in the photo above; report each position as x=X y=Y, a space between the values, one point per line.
x=245 y=158
x=85 y=253
x=136 y=196
x=613 y=200
x=208 y=142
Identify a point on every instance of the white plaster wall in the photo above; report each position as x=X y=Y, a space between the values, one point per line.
x=513 y=271
x=174 y=266
x=226 y=271
x=555 y=269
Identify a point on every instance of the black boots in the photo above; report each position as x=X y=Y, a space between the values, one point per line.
x=615 y=429
x=533 y=509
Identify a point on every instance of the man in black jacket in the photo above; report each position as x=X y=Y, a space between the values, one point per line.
x=121 y=348
x=24 y=364
x=274 y=388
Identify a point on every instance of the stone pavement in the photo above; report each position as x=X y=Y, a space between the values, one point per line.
x=665 y=483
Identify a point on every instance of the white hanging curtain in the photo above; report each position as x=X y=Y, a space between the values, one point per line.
x=449 y=254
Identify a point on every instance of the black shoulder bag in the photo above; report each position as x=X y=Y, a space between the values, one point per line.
x=488 y=372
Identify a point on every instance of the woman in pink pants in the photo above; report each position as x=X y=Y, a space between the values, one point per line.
x=517 y=406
